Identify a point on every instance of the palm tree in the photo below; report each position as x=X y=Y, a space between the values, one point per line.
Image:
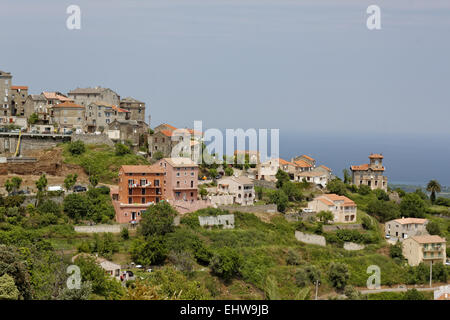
x=433 y=186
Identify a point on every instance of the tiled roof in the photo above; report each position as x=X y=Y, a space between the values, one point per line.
x=95 y=90
x=19 y=87
x=335 y=197
x=166 y=132
x=428 y=239
x=308 y=157
x=142 y=169
x=284 y=162
x=365 y=167
x=312 y=174
x=168 y=125
x=326 y=201
x=55 y=95
x=67 y=105
x=410 y=220
x=115 y=108
x=302 y=164
x=180 y=162
x=326 y=168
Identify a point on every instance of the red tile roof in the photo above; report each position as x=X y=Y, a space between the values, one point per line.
x=326 y=168
x=19 y=87
x=365 y=167
x=410 y=220
x=428 y=239
x=284 y=162
x=302 y=164
x=115 y=108
x=167 y=133
x=142 y=169
x=308 y=157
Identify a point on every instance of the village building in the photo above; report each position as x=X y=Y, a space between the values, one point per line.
x=403 y=228
x=344 y=209
x=268 y=169
x=69 y=116
x=426 y=248
x=36 y=103
x=140 y=186
x=135 y=107
x=128 y=131
x=370 y=174
x=112 y=269
x=99 y=115
x=85 y=96
x=55 y=97
x=288 y=167
x=319 y=178
x=18 y=95
x=253 y=156
x=5 y=89
x=242 y=189
x=181 y=178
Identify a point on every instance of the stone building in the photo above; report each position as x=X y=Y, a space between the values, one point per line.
x=85 y=96
x=344 y=209
x=427 y=249
x=18 y=96
x=99 y=115
x=131 y=131
x=5 y=88
x=135 y=107
x=69 y=116
x=165 y=137
x=400 y=229
x=36 y=103
x=370 y=174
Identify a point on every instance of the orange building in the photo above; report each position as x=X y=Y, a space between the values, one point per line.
x=139 y=187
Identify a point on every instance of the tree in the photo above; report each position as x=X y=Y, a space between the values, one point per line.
x=259 y=192
x=226 y=263
x=121 y=149
x=76 y=294
x=434 y=187
x=76 y=206
x=292 y=190
x=325 y=216
x=413 y=294
x=364 y=189
x=70 y=181
x=77 y=147
x=337 y=186
x=381 y=194
x=8 y=289
x=203 y=192
x=395 y=251
x=33 y=118
x=124 y=233
x=280 y=199
x=149 y=251
x=347 y=177
x=9 y=186
x=282 y=177
x=157 y=220
x=433 y=228
x=11 y=263
x=41 y=183
x=158 y=155
x=93 y=180
x=413 y=206
x=229 y=171
x=338 y=275
x=367 y=223
x=383 y=210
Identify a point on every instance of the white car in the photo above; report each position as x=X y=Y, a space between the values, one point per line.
x=139 y=266
x=307 y=210
x=387 y=236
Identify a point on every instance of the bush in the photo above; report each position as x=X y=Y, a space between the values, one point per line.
x=364 y=190
x=76 y=206
x=121 y=149
x=149 y=251
x=338 y=275
x=226 y=263
x=395 y=251
x=124 y=233
x=367 y=223
x=337 y=186
x=293 y=258
x=413 y=205
x=383 y=210
x=433 y=228
x=157 y=220
x=77 y=148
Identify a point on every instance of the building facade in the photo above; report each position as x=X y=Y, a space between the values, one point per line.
x=344 y=209
x=135 y=107
x=404 y=228
x=181 y=178
x=68 y=116
x=85 y=96
x=99 y=115
x=370 y=174
x=5 y=89
x=241 y=188
x=427 y=249
x=18 y=95
x=139 y=187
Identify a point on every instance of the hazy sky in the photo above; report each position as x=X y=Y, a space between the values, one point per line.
x=306 y=66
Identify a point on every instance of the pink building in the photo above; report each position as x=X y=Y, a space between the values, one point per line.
x=181 y=179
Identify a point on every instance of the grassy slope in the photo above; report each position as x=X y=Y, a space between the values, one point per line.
x=102 y=160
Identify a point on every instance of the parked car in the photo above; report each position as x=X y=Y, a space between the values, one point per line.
x=54 y=188
x=68 y=132
x=79 y=189
x=307 y=210
x=387 y=236
x=447 y=263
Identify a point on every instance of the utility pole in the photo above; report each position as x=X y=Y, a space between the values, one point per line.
x=431 y=274
x=317 y=288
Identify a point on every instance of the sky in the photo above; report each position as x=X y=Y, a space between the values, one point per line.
x=309 y=68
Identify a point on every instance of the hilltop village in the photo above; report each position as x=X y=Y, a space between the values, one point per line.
x=86 y=180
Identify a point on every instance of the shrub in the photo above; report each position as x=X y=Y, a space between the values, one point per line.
x=226 y=263
x=125 y=234
x=413 y=205
x=293 y=258
x=364 y=190
x=77 y=148
x=121 y=149
x=338 y=275
x=433 y=228
x=157 y=220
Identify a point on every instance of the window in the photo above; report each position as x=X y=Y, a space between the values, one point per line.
x=143 y=191
x=192 y=184
x=143 y=199
x=130 y=200
x=156 y=183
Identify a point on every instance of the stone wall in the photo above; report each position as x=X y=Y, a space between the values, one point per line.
x=353 y=226
x=264 y=184
x=8 y=143
x=310 y=238
x=91 y=138
x=351 y=246
x=113 y=228
x=267 y=208
x=225 y=220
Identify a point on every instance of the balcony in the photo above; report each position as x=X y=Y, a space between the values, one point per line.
x=432 y=248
